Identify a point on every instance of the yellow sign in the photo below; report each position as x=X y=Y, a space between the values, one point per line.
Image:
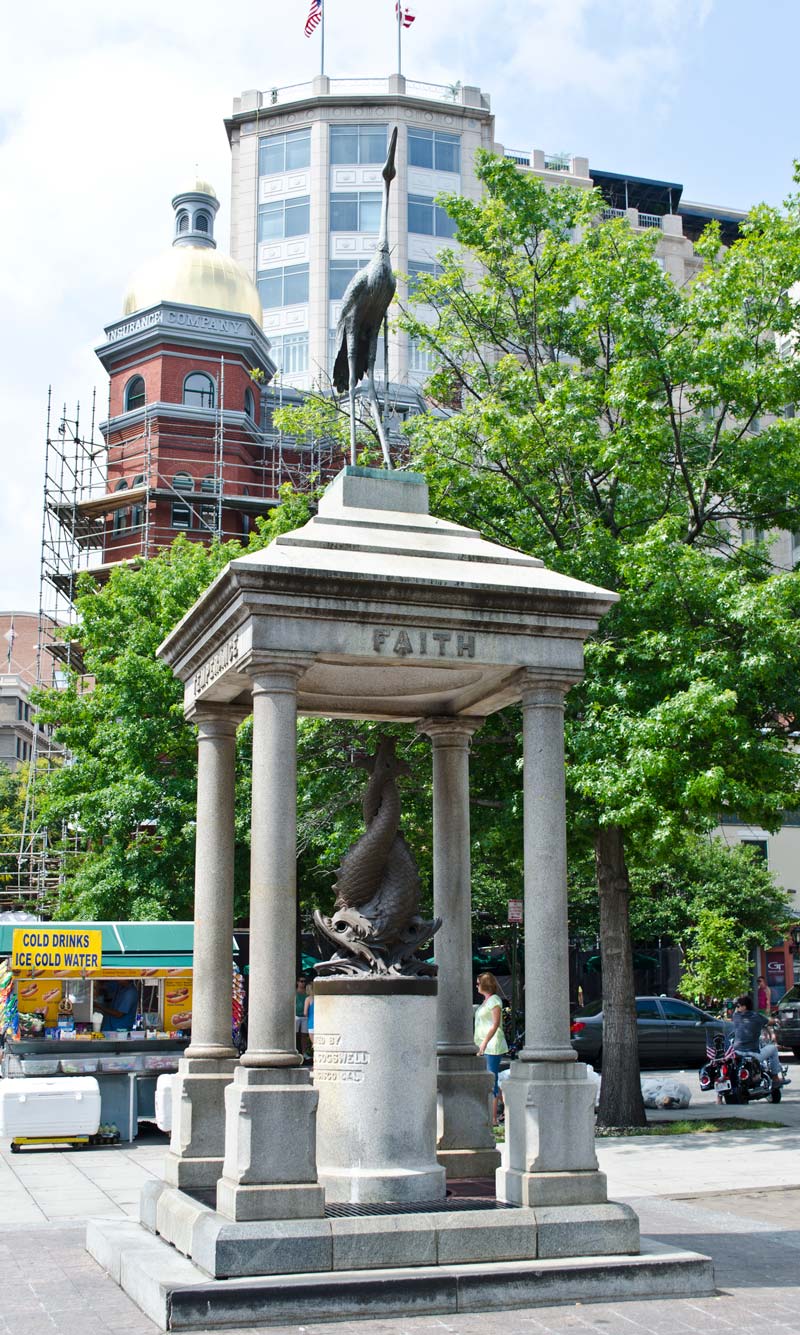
x=56 y=949
x=178 y=1005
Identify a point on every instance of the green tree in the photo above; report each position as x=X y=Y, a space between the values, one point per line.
x=628 y=431
x=131 y=785
x=717 y=962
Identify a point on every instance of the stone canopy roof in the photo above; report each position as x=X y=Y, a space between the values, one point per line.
x=391 y=612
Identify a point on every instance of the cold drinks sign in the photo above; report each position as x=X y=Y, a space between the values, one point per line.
x=55 y=949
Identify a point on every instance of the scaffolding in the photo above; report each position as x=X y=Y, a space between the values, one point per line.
x=91 y=523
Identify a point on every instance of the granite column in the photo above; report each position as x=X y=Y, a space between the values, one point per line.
x=270 y=1157
x=197 y=1142
x=549 y=1156
x=465 y=1141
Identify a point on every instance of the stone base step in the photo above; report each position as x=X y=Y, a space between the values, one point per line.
x=177 y=1295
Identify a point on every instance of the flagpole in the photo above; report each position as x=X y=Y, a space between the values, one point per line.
x=399 y=9
x=322 y=44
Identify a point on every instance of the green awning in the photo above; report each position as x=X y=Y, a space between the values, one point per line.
x=143 y=945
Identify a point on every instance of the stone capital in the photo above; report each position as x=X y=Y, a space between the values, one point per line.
x=546 y=689
x=275 y=676
x=448 y=730
x=214 y=720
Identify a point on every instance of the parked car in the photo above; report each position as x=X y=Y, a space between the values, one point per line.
x=671 y=1032
x=788 y=1020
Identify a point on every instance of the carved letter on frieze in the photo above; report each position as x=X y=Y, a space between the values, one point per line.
x=403 y=645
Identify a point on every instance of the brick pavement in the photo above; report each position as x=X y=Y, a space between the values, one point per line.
x=49 y=1286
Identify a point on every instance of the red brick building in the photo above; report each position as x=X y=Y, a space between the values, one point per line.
x=186 y=446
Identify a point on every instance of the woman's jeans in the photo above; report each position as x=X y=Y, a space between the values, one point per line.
x=492 y=1060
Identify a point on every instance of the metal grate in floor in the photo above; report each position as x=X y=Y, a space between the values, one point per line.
x=334 y=1210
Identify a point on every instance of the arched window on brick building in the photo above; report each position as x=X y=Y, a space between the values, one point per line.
x=134 y=393
x=198 y=390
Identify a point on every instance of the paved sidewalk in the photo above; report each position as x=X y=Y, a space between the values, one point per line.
x=735 y=1196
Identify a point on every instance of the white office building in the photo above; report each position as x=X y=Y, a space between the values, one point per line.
x=306 y=197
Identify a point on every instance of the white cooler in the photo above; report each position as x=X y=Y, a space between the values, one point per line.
x=50 y=1106
x=164 y=1102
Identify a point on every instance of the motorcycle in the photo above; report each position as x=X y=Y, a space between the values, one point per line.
x=737 y=1076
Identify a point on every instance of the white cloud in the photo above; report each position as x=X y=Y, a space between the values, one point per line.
x=104 y=112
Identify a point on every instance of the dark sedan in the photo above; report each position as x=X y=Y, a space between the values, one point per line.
x=788 y=1020
x=671 y=1032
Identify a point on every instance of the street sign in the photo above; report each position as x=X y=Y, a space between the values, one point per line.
x=515 y=910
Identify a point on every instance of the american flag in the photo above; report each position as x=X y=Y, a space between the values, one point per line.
x=726 y=1055
x=404 y=14
x=314 y=16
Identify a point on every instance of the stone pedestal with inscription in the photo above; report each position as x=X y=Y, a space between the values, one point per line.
x=375 y=1071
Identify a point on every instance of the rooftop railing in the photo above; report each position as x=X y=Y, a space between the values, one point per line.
x=433 y=92
x=557 y=162
x=551 y=162
x=651 y=220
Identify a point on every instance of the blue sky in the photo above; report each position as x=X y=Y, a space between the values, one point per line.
x=105 y=111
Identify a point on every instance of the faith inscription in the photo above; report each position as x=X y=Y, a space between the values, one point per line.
x=423 y=643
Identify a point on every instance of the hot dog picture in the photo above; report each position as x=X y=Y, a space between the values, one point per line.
x=29 y=990
x=181 y=1019
x=175 y=998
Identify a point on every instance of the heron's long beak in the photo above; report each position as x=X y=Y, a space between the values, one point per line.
x=389 y=171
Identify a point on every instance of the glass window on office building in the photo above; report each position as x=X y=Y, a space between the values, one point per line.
x=291 y=353
x=287 y=286
x=284 y=152
x=418 y=271
x=339 y=275
x=355 y=211
x=355 y=144
x=283 y=217
x=435 y=149
x=428 y=218
x=421 y=358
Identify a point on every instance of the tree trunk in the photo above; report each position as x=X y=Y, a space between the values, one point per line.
x=620 y=1094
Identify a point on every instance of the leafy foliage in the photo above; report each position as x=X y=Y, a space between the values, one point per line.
x=130 y=789
x=716 y=961
x=630 y=431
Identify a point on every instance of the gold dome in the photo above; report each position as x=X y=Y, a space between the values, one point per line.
x=194 y=276
x=199 y=187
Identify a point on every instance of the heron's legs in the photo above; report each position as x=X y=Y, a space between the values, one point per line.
x=373 y=400
x=351 y=366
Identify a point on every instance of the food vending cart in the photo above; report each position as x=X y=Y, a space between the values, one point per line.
x=110 y=999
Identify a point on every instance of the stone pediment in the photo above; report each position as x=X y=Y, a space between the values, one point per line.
x=396 y=614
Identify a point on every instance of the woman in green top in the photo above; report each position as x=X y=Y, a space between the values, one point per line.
x=489 y=1036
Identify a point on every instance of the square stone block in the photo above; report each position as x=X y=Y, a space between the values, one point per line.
x=587 y=1230
x=383 y=1240
x=274 y=1201
x=269 y=1247
x=467 y=1236
x=535 y=1189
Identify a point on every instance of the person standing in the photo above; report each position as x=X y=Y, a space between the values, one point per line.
x=489 y=1036
x=763 y=998
x=300 y=1026
x=308 y=1015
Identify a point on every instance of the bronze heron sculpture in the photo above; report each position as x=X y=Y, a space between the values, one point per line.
x=364 y=305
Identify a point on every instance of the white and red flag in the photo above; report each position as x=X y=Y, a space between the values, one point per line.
x=405 y=15
x=314 y=17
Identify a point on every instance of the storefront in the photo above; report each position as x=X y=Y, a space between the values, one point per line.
x=111 y=999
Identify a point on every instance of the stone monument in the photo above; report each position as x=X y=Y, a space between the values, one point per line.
x=375 y=1015
x=377 y=609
